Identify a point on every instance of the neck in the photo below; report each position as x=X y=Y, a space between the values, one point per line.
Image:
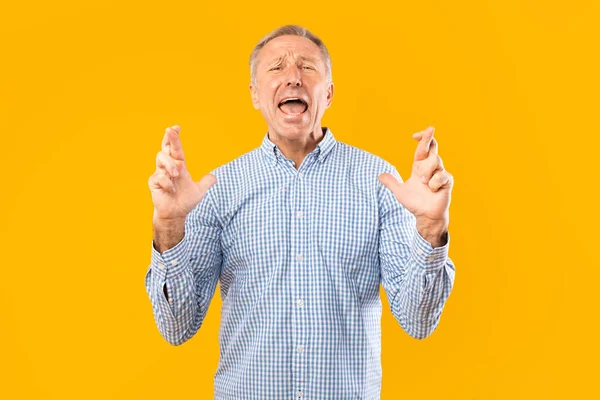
x=297 y=149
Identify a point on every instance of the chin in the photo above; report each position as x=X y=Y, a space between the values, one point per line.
x=295 y=132
x=292 y=130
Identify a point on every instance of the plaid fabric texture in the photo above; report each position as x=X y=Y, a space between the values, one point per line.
x=300 y=255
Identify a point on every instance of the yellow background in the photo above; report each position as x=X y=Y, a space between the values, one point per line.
x=86 y=91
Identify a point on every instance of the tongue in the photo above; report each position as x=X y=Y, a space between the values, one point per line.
x=293 y=107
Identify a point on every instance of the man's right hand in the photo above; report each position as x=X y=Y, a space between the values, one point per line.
x=174 y=193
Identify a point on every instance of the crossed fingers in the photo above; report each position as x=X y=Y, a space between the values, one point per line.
x=428 y=165
x=171 y=155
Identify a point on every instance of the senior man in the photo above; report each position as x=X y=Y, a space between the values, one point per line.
x=300 y=232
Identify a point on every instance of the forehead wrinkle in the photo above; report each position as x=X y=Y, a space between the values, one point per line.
x=293 y=52
x=277 y=59
x=309 y=58
x=300 y=57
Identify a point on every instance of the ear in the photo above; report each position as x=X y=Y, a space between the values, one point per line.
x=254 y=95
x=329 y=94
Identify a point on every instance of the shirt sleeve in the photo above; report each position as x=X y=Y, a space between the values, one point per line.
x=416 y=277
x=189 y=271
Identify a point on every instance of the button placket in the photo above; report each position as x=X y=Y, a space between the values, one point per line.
x=298 y=258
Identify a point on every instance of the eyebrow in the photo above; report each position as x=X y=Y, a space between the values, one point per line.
x=275 y=60
x=280 y=58
x=311 y=59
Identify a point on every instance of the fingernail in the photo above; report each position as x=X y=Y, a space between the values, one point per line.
x=423 y=179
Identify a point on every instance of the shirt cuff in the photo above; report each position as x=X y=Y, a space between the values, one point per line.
x=171 y=262
x=426 y=256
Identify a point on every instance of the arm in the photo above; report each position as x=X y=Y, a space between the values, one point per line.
x=182 y=280
x=416 y=277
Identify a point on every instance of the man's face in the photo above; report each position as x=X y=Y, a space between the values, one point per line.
x=291 y=67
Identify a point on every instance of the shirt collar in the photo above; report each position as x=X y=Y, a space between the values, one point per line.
x=322 y=150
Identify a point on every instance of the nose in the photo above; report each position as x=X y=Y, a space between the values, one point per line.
x=294 y=78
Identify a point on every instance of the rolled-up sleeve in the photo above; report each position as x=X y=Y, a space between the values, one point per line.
x=189 y=273
x=416 y=277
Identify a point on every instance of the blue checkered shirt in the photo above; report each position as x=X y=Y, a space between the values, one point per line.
x=300 y=255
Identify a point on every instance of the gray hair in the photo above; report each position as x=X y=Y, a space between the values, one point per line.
x=289 y=30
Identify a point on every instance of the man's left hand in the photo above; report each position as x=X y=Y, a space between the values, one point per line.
x=426 y=194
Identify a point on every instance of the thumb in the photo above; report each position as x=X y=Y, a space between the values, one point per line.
x=390 y=182
x=206 y=182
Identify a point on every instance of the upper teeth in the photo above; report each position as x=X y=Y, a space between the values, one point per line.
x=290 y=98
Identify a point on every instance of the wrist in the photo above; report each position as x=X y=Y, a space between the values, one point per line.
x=435 y=232
x=167 y=222
x=167 y=233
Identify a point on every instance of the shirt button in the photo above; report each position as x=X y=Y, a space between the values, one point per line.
x=174 y=262
x=300 y=302
x=299 y=394
x=300 y=349
x=161 y=266
x=431 y=258
x=299 y=257
x=299 y=214
x=419 y=252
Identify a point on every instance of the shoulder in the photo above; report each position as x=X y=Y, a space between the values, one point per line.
x=362 y=165
x=235 y=178
x=362 y=169
x=240 y=168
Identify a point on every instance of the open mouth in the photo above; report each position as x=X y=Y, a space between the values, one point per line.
x=293 y=106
